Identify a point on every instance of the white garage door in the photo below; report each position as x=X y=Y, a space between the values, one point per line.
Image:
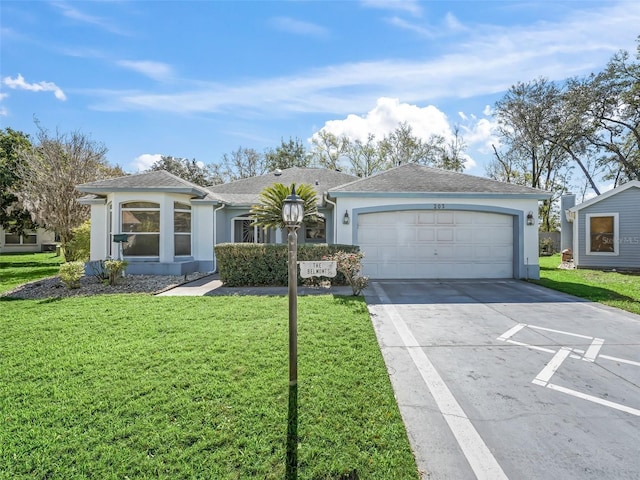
x=436 y=244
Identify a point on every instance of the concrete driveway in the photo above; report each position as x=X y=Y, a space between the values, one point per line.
x=505 y=379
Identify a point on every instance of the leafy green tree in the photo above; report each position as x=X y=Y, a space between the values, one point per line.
x=12 y=218
x=608 y=105
x=288 y=154
x=401 y=146
x=189 y=170
x=268 y=212
x=364 y=157
x=328 y=149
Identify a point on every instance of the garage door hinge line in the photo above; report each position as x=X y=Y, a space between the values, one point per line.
x=480 y=458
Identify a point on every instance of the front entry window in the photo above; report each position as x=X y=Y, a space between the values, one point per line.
x=141 y=221
x=602 y=234
x=244 y=232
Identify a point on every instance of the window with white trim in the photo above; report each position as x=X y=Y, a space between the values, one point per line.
x=141 y=222
x=601 y=234
x=181 y=228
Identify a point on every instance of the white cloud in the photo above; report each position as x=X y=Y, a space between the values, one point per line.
x=144 y=161
x=406 y=25
x=298 y=27
x=155 y=70
x=19 y=83
x=75 y=14
x=487 y=60
x=409 y=6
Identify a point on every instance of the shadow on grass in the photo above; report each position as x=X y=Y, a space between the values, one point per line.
x=292 y=434
x=590 y=292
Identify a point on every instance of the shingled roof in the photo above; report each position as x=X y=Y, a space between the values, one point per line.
x=247 y=190
x=156 y=181
x=421 y=179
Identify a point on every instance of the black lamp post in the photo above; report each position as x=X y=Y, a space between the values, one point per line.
x=292 y=214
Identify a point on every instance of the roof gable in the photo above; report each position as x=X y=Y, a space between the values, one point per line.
x=605 y=195
x=156 y=181
x=247 y=190
x=416 y=178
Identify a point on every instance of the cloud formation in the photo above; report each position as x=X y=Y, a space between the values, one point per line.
x=487 y=60
x=298 y=27
x=79 y=16
x=19 y=83
x=144 y=161
x=155 y=70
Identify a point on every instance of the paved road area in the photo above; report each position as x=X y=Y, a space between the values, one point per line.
x=504 y=379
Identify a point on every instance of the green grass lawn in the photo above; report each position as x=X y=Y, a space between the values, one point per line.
x=620 y=290
x=19 y=268
x=135 y=386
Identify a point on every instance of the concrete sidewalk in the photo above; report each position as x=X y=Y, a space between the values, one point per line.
x=211 y=285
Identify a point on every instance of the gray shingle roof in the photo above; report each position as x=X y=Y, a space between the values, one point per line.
x=247 y=190
x=157 y=181
x=419 y=178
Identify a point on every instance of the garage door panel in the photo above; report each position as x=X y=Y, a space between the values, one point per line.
x=440 y=244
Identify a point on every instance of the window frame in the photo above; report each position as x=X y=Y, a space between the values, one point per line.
x=616 y=234
x=308 y=229
x=185 y=209
x=259 y=233
x=157 y=208
x=21 y=238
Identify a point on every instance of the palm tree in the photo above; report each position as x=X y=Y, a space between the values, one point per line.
x=268 y=213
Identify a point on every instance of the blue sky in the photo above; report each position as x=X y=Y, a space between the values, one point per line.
x=198 y=79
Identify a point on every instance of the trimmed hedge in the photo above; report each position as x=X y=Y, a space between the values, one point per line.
x=265 y=264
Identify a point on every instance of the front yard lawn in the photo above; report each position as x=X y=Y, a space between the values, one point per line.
x=19 y=268
x=620 y=290
x=135 y=386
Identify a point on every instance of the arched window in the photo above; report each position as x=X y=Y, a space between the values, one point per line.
x=141 y=221
x=182 y=228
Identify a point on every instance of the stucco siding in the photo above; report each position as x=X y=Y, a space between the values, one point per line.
x=627 y=205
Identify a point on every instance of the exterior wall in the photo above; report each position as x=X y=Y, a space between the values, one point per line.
x=525 y=236
x=201 y=258
x=44 y=238
x=566 y=229
x=627 y=205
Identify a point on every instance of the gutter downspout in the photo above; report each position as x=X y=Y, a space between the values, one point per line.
x=215 y=224
x=335 y=216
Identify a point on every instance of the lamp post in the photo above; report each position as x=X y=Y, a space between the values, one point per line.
x=292 y=215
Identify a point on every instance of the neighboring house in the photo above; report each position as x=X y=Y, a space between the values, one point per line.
x=411 y=221
x=604 y=232
x=40 y=240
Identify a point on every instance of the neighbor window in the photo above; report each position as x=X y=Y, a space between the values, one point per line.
x=602 y=234
x=141 y=221
x=182 y=228
x=316 y=232
x=25 y=239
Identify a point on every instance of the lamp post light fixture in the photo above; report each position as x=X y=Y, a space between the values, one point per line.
x=345 y=219
x=292 y=215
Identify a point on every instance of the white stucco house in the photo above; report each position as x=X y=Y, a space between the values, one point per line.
x=411 y=221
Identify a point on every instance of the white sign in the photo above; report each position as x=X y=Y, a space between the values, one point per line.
x=318 y=269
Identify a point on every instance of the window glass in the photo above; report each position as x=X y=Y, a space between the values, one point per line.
x=602 y=234
x=316 y=232
x=30 y=238
x=142 y=219
x=182 y=228
x=11 y=239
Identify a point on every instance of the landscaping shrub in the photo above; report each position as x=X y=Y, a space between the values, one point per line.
x=115 y=269
x=257 y=264
x=71 y=273
x=79 y=247
x=350 y=265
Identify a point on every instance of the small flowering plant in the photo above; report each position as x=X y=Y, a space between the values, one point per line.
x=350 y=265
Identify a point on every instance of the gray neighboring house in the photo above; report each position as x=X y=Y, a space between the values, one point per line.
x=604 y=232
x=411 y=221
